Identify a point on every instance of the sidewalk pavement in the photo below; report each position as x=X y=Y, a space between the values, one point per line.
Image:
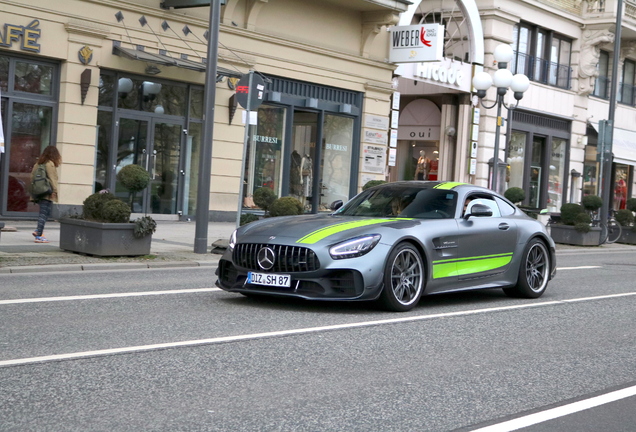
x=172 y=246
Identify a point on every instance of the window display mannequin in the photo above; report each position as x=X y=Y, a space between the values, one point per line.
x=423 y=165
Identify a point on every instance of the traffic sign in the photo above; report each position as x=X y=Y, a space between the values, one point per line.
x=255 y=94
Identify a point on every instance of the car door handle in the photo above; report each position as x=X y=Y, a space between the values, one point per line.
x=504 y=226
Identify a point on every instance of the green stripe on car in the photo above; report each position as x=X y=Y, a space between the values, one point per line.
x=322 y=233
x=448 y=185
x=471 y=265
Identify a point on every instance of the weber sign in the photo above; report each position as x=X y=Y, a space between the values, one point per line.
x=416 y=43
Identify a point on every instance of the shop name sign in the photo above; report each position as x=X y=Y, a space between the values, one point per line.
x=416 y=43
x=446 y=73
x=28 y=36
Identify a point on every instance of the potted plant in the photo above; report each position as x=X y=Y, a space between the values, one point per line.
x=105 y=229
x=626 y=218
x=575 y=227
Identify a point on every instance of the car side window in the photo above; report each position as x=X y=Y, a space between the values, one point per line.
x=506 y=209
x=487 y=202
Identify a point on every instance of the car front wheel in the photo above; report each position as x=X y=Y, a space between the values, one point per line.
x=403 y=279
x=534 y=271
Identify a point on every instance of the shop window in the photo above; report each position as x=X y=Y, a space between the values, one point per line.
x=516 y=159
x=336 y=160
x=4 y=74
x=542 y=55
x=104 y=122
x=106 y=90
x=151 y=96
x=301 y=173
x=621 y=183
x=33 y=78
x=626 y=93
x=601 y=87
x=263 y=167
x=556 y=174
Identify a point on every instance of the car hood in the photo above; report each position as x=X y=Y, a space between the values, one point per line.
x=313 y=229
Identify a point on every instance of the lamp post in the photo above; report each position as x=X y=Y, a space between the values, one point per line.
x=502 y=79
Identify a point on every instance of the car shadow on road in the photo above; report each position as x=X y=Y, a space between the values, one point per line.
x=428 y=304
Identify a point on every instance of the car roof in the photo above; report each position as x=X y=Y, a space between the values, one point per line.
x=456 y=186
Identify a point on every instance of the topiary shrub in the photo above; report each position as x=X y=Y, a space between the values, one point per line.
x=625 y=217
x=247 y=218
x=569 y=213
x=372 y=183
x=592 y=202
x=582 y=222
x=264 y=197
x=515 y=194
x=144 y=226
x=115 y=211
x=93 y=205
x=134 y=178
x=286 y=206
x=631 y=204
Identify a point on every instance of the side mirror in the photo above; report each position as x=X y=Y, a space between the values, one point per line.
x=336 y=205
x=479 y=210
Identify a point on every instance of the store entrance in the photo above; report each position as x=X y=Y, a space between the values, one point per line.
x=155 y=145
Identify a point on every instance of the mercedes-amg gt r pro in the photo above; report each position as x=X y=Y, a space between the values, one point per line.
x=394 y=243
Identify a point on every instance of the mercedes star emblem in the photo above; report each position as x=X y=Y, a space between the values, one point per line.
x=266 y=258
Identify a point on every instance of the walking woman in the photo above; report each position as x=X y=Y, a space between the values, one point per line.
x=51 y=159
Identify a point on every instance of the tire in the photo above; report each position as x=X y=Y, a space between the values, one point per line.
x=404 y=277
x=614 y=231
x=534 y=271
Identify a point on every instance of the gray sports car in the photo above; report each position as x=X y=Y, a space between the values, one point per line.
x=393 y=243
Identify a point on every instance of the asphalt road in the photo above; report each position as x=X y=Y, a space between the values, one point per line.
x=162 y=350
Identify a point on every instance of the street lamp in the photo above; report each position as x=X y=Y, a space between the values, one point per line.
x=502 y=79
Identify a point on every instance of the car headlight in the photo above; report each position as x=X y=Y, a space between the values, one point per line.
x=232 y=241
x=354 y=247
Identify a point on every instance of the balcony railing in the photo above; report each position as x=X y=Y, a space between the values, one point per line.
x=543 y=71
x=626 y=94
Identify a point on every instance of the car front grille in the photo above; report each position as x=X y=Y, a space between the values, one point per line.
x=289 y=259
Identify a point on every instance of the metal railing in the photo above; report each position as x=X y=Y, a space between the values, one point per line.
x=542 y=70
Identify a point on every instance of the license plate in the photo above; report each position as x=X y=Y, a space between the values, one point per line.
x=269 y=279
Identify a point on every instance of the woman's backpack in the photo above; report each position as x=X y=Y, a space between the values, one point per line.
x=40 y=183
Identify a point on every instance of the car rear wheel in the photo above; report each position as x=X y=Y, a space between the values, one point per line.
x=403 y=279
x=534 y=271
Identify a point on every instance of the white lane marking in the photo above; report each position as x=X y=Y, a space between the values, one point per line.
x=151 y=293
x=577 y=268
x=105 y=296
x=561 y=411
x=256 y=336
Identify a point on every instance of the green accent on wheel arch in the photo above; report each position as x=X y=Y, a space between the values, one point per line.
x=471 y=265
x=448 y=185
x=322 y=233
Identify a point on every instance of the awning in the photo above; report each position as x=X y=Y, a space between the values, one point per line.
x=623 y=145
x=166 y=60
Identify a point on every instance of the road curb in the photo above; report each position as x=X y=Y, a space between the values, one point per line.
x=105 y=266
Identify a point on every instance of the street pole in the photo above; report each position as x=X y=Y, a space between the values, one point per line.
x=205 y=161
x=606 y=156
x=495 y=162
x=246 y=137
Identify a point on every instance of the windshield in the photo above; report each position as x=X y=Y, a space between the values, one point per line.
x=402 y=201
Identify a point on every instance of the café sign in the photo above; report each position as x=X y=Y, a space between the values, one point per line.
x=27 y=36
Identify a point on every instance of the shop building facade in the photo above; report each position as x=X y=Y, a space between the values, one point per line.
x=549 y=141
x=121 y=82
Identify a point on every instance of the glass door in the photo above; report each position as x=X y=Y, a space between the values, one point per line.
x=163 y=166
x=155 y=145
x=536 y=174
x=132 y=148
x=301 y=174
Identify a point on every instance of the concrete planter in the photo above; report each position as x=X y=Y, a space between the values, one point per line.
x=566 y=234
x=628 y=236
x=102 y=239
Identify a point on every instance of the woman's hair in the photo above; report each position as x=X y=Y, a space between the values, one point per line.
x=50 y=153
